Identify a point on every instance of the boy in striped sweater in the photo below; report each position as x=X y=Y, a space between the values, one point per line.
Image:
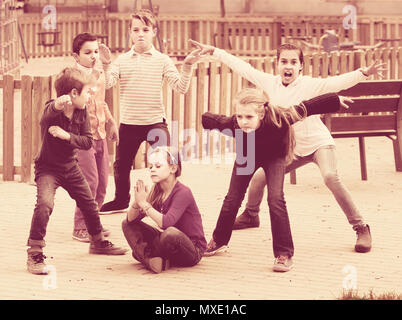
x=142 y=117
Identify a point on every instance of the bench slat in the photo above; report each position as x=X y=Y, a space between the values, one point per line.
x=373 y=104
x=356 y=134
x=363 y=123
x=373 y=87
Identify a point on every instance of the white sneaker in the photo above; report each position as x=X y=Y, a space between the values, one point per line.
x=283 y=264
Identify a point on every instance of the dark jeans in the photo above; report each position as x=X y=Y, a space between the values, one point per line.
x=280 y=227
x=131 y=137
x=74 y=182
x=147 y=241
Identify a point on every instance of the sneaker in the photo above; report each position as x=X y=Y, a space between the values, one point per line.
x=283 y=264
x=105 y=247
x=114 y=207
x=158 y=264
x=213 y=248
x=245 y=220
x=83 y=235
x=363 y=242
x=36 y=263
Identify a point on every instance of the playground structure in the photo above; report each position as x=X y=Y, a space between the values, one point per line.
x=243 y=35
x=9 y=38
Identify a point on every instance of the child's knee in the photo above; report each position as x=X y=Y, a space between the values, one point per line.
x=169 y=234
x=331 y=179
x=276 y=200
x=45 y=207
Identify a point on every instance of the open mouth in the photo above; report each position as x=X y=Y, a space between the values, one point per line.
x=288 y=74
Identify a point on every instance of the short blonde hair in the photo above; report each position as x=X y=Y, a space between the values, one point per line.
x=146 y=16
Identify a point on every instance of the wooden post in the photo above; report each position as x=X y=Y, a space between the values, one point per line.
x=398 y=140
x=276 y=35
x=8 y=128
x=363 y=165
x=222 y=2
x=248 y=6
x=26 y=128
x=400 y=63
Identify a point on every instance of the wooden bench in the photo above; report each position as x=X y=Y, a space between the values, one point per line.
x=376 y=111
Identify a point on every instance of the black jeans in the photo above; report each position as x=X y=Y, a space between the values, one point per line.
x=74 y=182
x=147 y=241
x=131 y=137
x=280 y=227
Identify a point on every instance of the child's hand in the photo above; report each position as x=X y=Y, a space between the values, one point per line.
x=193 y=56
x=62 y=101
x=105 y=55
x=376 y=68
x=205 y=48
x=343 y=100
x=140 y=193
x=113 y=133
x=58 y=132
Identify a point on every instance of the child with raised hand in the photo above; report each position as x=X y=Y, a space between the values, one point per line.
x=94 y=162
x=314 y=142
x=265 y=131
x=171 y=205
x=142 y=114
x=64 y=129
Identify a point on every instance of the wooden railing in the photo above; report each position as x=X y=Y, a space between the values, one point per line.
x=212 y=88
x=248 y=36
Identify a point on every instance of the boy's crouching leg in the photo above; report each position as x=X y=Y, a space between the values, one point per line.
x=98 y=245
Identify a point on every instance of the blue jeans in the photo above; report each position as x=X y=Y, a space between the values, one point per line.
x=280 y=227
x=74 y=182
x=147 y=241
x=131 y=137
x=325 y=159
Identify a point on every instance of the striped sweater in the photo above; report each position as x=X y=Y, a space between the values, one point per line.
x=141 y=78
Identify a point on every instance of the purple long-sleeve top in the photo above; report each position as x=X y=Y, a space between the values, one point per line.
x=180 y=211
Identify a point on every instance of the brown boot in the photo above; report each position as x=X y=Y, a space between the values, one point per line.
x=245 y=220
x=363 y=242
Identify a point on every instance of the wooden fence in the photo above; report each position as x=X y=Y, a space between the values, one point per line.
x=212 y=88
x=248 y=36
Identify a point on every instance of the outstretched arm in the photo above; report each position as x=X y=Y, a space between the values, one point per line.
x=226 y=125
x=344 y=81
x=326 y=103
x=244 y=69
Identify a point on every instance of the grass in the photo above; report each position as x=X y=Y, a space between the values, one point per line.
x=355 y=295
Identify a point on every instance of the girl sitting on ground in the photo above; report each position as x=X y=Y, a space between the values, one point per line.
x=171 y=205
